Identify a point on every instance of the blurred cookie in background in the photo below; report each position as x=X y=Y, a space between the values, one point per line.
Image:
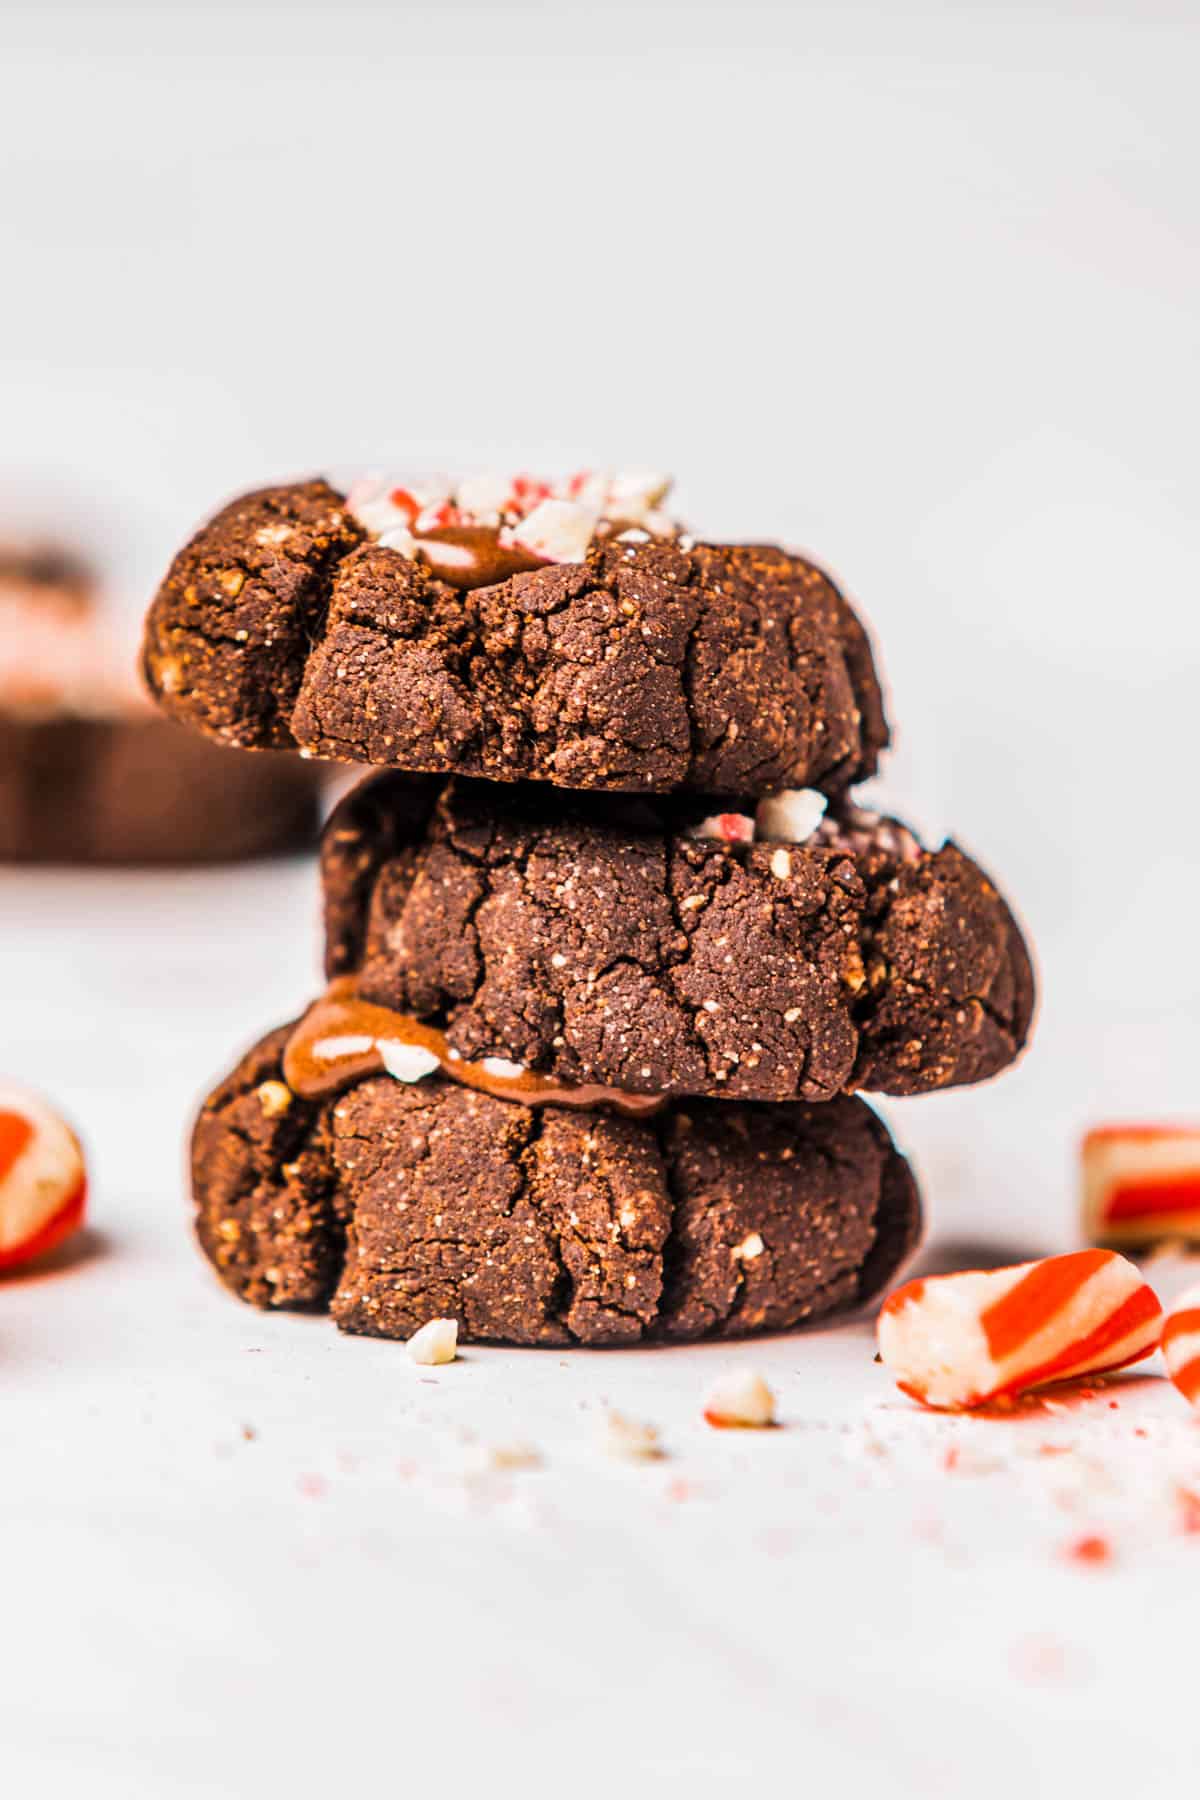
x=89 y=772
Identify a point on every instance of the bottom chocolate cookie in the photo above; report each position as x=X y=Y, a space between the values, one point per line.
x=394 y=1203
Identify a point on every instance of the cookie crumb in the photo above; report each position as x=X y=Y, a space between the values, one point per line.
x=740 y=1399
x=750 y=1247
x=436 y=1342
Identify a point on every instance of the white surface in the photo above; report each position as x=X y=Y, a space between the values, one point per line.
x=349 y=1599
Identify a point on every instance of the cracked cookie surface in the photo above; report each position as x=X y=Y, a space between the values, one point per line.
x=591 y=938
x=394 y=1204
x=727 y=669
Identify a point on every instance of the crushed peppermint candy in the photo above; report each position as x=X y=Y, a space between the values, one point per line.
x=630 y=1439
x=407 y=1062
x=860 y=832
x=729 y=828
x=434 y=1343
x=60 y=656
x=790 y=817
x=740 y=1397
x=559 y=531
x=501 y=1067
x=800 y=816
x=552 y=521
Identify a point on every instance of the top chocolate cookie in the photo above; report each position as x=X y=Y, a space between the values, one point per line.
x=519 y=631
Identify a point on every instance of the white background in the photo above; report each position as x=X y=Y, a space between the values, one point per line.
x=912 y=287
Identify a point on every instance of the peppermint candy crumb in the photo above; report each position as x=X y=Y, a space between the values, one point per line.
x=790 y=817
x=435 y=1343
x=727 y=828
x=553 y=520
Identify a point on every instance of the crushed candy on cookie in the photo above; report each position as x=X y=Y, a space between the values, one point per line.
x=857 y=831
x=791 y=816
x=524 y=517
x=43 y=1181
x=801 y=816
x=982 y=1336
x=727 y=828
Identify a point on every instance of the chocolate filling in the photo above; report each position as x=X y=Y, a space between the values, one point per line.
x=475 y=556
x=472 y=556
x=343 y=1039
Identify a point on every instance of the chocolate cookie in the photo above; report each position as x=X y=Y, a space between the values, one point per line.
x=640 y=660
x=88 y=772
x=140 y=789
x=594 y=939
x=392 y=1204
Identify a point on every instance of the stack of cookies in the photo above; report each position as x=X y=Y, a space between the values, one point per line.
x=609 y=947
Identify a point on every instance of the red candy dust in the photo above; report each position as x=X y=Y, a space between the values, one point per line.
x=1090 y=1549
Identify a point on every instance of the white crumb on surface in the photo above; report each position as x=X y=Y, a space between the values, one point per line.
x=515 y=1455
x=631 y=1439
x=435 y=1342
x=740 y=1397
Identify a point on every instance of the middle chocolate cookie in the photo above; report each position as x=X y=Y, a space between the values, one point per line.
x=639 y=946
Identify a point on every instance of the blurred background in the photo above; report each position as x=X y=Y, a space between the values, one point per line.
x=913 y=288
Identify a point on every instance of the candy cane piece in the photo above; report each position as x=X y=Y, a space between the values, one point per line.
x=1141 y=1183
x=957 y=1341
x=43 y=1182
x=1181 y=1344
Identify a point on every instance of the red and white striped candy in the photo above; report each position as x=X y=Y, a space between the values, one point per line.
x=956 y=1341
x=1141 y=1183
x=43 y=1182
x=730 y=828
x=1181 y=1344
